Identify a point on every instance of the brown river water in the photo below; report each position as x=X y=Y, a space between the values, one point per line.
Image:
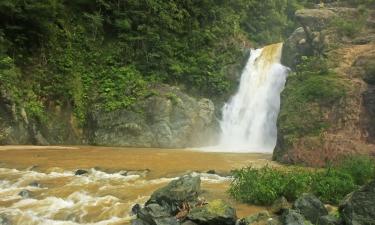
x=107 y=192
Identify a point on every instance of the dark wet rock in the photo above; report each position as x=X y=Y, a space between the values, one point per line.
x=295 y=46
x=188 y=222
x=135 y=209
x=292 y=217
x=310 y=207
x=139 y=222
x=35 y=184
x=24 y=194
x=170 y=197
x=80 y=172
x=211 y=172
x=167 y=221
x=359 y=206
x=156 y=215
x=280 y=205
x=329 y=220
x=259 y=217
x=214 y=213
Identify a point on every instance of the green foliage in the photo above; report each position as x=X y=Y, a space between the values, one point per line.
x=350 y=27
x=309 y=89
x=263 y=186
x=360 y=168
x=332 y=186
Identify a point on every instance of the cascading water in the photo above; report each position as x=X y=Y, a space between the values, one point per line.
x=249 y=118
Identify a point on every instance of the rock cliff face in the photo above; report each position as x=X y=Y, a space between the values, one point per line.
x=169 y=119
x=348 y=121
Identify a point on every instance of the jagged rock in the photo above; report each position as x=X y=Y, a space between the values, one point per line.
x=139 y=222
x=329 y=220
x=136 y=209
x=280 y=205
x=310 y=207
x=170 y=197
x=359 y=206
x=259 y=217
x=294 y=47
x=24 y=194
x=292 y=217
x=214 y=213
x=80 y=172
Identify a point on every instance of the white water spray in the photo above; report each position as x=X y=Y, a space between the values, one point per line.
x=249 y=118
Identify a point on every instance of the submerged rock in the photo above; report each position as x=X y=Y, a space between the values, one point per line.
x=185 y=189
x=310 y=207
x=359 y=206
x=80 y=172
x=35 y=184
x=24 y=194
x=214 y=213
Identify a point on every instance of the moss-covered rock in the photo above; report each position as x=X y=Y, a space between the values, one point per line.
x=215 y=212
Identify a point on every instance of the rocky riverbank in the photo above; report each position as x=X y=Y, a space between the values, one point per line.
x=179 y=203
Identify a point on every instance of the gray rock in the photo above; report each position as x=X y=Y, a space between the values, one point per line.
x=294 y=47
x=329 y=220
x=139 y=222
x=310 y=207
x=80 y=172
x=167 y=221
x=188 y=222
x=24 y=194
x=170 y=197
x=261 y=216
x=167 y=119
x=214 y=213
x=273 y=221
x=358 y=208
x=292 y=217
x=315 y=19
x=280 y=205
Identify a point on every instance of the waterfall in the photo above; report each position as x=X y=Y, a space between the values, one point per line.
x=249 y=118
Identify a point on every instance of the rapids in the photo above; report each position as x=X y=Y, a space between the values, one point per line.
x=117 y=178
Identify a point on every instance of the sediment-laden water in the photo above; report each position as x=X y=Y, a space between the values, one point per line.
x=38 y=185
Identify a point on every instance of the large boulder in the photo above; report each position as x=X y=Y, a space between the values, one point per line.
x=358 y=208
x=213 y=213
x=168 y=119
x=184 y=190
x=292 y=217
x=310 y=207
x=261 y=217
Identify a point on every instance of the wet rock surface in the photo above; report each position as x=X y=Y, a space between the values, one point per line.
x=310 y=207
x=359 y=206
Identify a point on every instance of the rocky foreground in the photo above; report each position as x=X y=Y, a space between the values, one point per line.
x=179 y=203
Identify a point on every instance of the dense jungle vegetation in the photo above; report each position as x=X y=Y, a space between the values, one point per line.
x=108 y=53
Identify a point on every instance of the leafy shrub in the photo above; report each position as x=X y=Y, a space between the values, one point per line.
x=349 y=27
x=331 y=186
x=263 y=186
x=360 y=168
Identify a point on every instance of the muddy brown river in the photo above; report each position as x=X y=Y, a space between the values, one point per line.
x=117 y=178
